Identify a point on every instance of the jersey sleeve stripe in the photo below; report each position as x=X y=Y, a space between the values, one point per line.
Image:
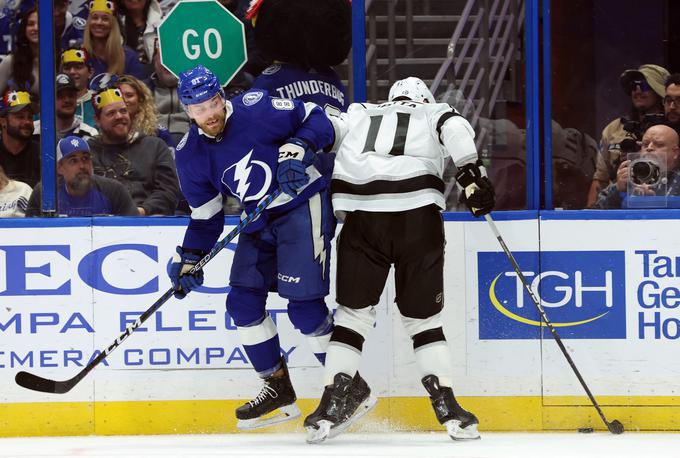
x=442 y=119
x=309 y=106
x=208 y=209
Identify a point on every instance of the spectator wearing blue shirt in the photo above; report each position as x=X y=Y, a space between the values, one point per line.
x=10 y=11
x=80 y=192
x=20 y=69
x=68 y=29
x=104 y=42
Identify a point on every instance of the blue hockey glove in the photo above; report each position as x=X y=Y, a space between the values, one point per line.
x=294 y=157
x=182 y=262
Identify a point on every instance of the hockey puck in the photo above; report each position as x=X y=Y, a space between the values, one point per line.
x=585 y=430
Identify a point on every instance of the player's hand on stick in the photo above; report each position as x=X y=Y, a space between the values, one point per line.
x=479 y=196
x=182 y=281
x=294 y=158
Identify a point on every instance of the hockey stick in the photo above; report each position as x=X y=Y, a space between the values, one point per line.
x=615 y=426
x=37 y=383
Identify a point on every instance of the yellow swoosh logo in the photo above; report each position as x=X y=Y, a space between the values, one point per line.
x=496 y=303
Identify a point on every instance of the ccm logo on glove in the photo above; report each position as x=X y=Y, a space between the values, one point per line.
x=294 y=158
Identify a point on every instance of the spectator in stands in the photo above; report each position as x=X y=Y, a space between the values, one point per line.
x=19 y=149
x=79 y=8
x=21 y=67
x=13 y=196
x=76 y=64
x=80 y=192
x=139 y=21
x=104 y=43
x=142 y=163
x=10 y=11
x=141 y=108
x=164 y=89
x=68 y=29
x=67 y=122
x=645 y=86
x=671 y=102
x=659 y=144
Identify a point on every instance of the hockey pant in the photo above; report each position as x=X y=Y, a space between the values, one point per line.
x=368 y=245
x=291 y=255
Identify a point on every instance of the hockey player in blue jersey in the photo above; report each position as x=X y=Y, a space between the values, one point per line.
x=247 y=147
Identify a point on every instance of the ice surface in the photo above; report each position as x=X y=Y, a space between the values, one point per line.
x=354 y=445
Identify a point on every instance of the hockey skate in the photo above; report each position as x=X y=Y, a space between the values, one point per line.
x=275 y=404
x=342 y=404
x=460 y=424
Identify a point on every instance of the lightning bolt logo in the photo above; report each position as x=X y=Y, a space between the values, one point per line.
x=242 y=171
x=242 y=175
x=317 y=234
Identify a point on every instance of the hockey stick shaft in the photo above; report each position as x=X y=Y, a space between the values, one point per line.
x=614 y=426
x=37 y=383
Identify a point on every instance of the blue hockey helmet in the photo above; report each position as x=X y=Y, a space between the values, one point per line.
x=197 y=85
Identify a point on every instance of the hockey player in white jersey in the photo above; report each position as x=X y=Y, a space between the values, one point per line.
x=387 y=186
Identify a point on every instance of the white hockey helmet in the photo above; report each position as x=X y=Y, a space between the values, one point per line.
x=413 y=88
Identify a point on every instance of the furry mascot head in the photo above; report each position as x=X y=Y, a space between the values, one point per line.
x=309 y=33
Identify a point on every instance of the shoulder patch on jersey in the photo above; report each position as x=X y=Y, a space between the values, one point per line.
x=79 y=23
x=271 y=69
x=283 y=104
x=251 y=98
x=182 y=142
x=331 y=110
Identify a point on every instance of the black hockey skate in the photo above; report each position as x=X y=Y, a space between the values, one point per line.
x=342 y=403
x=460 y=424
x=275 y=404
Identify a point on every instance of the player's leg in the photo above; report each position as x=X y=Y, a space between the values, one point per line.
x=251 y=277
x=303 y=246
x=362 y=269
x=420 y=297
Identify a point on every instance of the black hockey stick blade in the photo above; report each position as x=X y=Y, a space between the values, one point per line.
x=37 y=383
x=615 y=427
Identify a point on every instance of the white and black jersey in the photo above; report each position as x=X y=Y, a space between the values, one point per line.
x=391 y=156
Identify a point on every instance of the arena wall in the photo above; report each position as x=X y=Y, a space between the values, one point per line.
x=608 y=281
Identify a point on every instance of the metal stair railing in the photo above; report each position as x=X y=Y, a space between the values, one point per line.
x=497 y=40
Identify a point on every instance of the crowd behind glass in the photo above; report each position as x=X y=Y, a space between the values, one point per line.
x=115 y=96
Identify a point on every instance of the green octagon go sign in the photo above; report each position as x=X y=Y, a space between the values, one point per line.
x=202 y=32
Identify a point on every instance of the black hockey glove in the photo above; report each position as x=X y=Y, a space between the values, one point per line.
x=479 y=195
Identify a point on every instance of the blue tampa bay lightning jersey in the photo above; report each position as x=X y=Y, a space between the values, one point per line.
x=10 y=11
x=242 y=161
x=289 y=81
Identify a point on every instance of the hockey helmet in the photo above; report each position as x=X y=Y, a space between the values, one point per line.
x=197 y=85
x=412 y=88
